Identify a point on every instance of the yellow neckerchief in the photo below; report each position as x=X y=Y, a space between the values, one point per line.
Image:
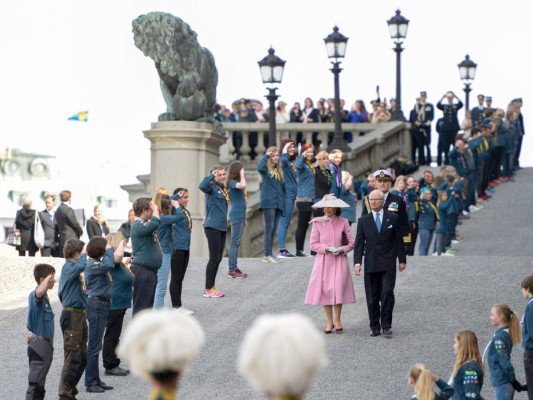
x=310 y=166
x=97 y=262
x=486 y=143
x=429 y=203
x=162 y=395
x=128 y=269
x=223 y=190
x=188 y=216
x=46 y=297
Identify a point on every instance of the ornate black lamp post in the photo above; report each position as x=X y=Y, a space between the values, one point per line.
x=467 y=72
x=271 y=68
x=336 y=48
x=398 y=31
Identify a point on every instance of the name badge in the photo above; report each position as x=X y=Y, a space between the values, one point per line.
x=393 y=207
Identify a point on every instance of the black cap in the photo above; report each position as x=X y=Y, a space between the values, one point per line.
x=423 y=94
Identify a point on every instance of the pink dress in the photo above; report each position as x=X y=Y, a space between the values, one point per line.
x=331 y=280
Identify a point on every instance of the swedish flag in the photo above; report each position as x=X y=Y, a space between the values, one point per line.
x=82 y=116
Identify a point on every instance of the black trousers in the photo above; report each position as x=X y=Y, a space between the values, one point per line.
x=418 y=143
x=379 y=290
x=446 y=143
x=178 y=268
x=413 y=225
x=528 y=367
x=304 y=216
x=143 y=288
x=216 y=241
x=113 y=330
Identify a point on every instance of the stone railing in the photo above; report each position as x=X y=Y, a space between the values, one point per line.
x=373 y=146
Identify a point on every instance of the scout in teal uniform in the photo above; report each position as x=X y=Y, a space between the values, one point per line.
x=271 y=200
x=98 y=280
x=305 y=194
x=422 y=381
x=427 y=221
x=41 y=325
x=527 y=333
x=121 y=296
x=498 y=352
x=468 y=371
x=73 y=322
x=238 y=197
x=215 y=225
x=288 y=155
x=181 y=236
x=159 y=344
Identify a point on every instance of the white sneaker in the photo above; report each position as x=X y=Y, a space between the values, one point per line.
x=473 y=208
x=270 y=259
x=435 y=254
x=465 y=212
x=184 y=311
x=448 y=254
x=454 y=241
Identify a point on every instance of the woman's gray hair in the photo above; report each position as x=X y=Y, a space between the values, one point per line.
x=160 y=341
x=281 y=354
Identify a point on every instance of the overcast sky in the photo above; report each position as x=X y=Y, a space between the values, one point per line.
x=61 y=57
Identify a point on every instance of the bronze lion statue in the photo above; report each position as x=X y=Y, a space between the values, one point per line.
x=187 y=71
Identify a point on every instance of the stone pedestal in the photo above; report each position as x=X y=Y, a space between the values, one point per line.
x=182 y=152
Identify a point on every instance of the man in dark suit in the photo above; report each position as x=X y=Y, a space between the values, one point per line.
x=51 y=238
x=450 y=125
x=67 y=224
x=379 y=238
x=393 y=203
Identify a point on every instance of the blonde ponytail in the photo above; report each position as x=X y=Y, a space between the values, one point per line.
x=423 y=379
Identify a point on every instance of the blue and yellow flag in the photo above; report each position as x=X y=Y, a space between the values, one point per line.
x=82 y=116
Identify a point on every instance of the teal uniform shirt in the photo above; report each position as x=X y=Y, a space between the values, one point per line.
x=121 y=288
x=96 y=275
x=40 y=316
x=237 y=208
x=71 y=293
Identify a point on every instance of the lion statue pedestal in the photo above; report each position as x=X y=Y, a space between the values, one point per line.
x=182 y=152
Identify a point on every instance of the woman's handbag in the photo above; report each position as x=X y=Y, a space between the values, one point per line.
x=13 y=238
x=38 y=231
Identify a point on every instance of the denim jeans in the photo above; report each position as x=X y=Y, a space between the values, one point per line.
x=285 y=222
x=162 y=281
x=97 y=312
x=504 y=392
x=425 y=241
x=271 y=218
x=237 y=228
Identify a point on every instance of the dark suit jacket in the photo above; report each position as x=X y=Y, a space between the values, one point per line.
x=67 y=225
x=401 y=210
x=93 y=228
x=450 y=121
x=382 y=248
x=50 y=229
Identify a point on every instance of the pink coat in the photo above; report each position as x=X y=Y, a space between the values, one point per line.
x=331 y=280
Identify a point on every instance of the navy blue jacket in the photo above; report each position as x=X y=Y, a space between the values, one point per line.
x=216 y=204
x=272 y=190
x=306 y=178
x=450 y=122
x=290 y=176
x=468 y=382
x=499 y=358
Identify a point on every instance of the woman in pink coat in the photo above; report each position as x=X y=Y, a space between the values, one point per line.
x=331 y=282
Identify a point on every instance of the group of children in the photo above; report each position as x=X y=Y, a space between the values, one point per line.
x=467 y=375
x=469 y=370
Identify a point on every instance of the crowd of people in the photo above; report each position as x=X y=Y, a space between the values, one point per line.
x=133 y=268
